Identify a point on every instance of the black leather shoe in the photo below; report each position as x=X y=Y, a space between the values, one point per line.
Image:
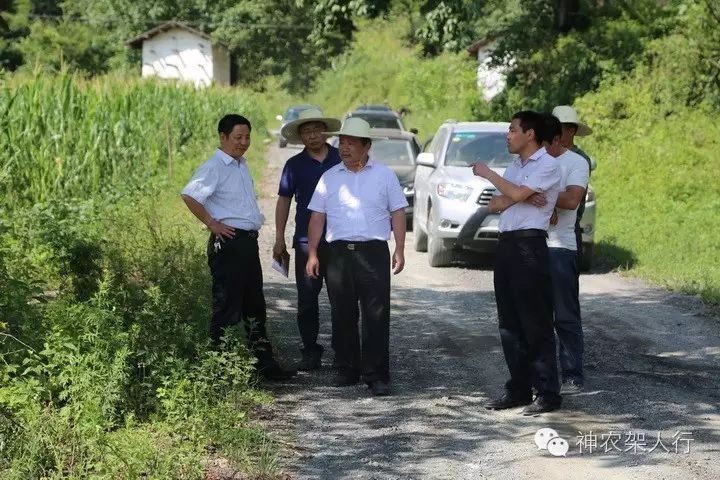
x=507 y=401
x=311 y=359
x=542 y=405
x=271 y=370
x=379 y=388
x=345 y=380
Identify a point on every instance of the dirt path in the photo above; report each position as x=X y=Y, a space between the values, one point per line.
x=652 y=361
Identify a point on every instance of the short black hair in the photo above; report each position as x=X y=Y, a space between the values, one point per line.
x=530 y=120
x=366 y=141
x=228 y=122
x=552 y=128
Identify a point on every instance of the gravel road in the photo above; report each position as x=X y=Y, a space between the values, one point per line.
x=652 y=367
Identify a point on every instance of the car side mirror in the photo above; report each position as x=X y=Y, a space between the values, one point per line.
x=426 y=158
x=414 y=131
x=278 y=118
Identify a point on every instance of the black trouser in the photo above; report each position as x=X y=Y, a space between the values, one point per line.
x=308 y=289
x=359 y=272
x=237 y=290
x=523 y=292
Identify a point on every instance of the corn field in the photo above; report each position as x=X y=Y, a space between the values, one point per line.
x=65 y=137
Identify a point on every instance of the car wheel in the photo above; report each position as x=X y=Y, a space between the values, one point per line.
x=282 y=143
x=586 y=257
x=438 y=253
x=419 y=237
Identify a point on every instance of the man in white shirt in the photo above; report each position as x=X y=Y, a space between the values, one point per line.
x=361 y=199
x=522 y=274
x=563 y=246
x=221 y=195
x=572 y=126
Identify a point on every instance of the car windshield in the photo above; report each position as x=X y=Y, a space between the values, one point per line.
x=467 y=148
x=380 y=121
x=392 y=151
x=294 y=113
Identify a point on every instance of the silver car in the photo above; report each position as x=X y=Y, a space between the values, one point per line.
x=451 y=203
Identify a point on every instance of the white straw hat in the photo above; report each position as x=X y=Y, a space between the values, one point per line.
x=355 y=127
x=567 y=114
x=290 y=129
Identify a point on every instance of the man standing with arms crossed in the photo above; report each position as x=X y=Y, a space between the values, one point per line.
x=361 y=199
x=299 y=178
x=522 y=274
x=221 y=195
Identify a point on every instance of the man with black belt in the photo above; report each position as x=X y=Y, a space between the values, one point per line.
x=523 y=290
x=221 y=195
x=361 y=199
x=572 y=126
x=299 y=178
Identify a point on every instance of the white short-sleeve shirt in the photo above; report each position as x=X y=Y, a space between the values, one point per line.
x=358 y=204
x=574 y=170
x=226 y=189
x=540 y=173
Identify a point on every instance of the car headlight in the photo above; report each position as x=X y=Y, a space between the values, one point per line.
x=454 y=191
x=589 y=195
x=409 y=189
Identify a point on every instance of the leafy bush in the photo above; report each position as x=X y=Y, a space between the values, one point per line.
x=105 y=365
x=656 y=159
x=433 y=89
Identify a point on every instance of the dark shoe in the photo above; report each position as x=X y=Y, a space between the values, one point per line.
x=542 y=405
x=571 y=387
x=507 y=401
x=271 y=370
x=379 y=388
x=311 y=359
x=345 y=380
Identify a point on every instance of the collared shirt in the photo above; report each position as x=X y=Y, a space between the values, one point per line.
x=225 y=188
x=541 y=174
x=358 y=204
x=299 y=179
x=574 y=170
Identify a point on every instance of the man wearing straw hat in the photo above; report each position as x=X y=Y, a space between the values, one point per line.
x=299 y=178
x=361 y=200
x=572 y=126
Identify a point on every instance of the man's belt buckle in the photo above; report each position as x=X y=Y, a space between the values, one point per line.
x=351 y=246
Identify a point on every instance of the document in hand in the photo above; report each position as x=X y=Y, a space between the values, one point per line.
x=282 y=266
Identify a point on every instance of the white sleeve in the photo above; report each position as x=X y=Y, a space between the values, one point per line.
x=396 y=197
x=203 y=183
x=579 y=173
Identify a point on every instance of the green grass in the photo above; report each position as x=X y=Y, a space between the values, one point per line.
x=657 y=180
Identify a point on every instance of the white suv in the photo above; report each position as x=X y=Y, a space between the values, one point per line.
x=450 y=202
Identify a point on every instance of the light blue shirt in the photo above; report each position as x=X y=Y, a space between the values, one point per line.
x=226 y=189
x=540 y=173
x=358 y=204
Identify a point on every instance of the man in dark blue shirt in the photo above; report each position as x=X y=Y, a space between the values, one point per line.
x=299 y=179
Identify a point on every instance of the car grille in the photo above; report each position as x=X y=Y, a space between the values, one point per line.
x=485 y=196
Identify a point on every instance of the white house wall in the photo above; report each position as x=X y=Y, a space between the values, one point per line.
x=491 y=80
x=221 y=65
x=179 y=54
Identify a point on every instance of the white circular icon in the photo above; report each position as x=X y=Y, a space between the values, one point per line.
x=543 y=436
x=558 y=447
